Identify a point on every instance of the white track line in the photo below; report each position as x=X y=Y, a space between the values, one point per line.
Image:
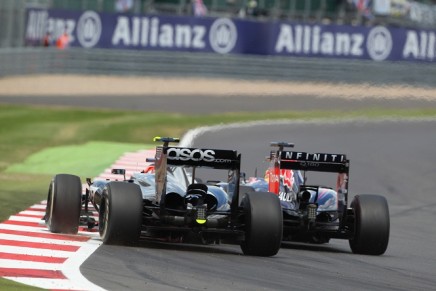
x=16 y=264
x=71 y=267
x=41 y=229
x=31 y=212
x=39 y=206
x=26 y=219
x=29 y=238
x=35 y=252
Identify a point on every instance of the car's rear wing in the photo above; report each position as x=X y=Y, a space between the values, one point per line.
x=197 y=157
x=319 y=162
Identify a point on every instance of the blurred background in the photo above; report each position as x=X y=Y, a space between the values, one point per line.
x=259 y=39
x=405 y=13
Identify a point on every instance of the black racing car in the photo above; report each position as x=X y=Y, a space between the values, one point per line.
x=315 y=213
x=169 y=204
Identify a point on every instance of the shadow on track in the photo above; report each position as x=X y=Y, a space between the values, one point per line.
x=188 y=247
x=327 y=248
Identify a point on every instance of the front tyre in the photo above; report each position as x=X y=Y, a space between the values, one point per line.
x=120 y=214
x=371 y=225
x=64 y=204
x=263 y=224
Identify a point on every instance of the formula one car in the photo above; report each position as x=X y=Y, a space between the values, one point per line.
x=169 y=204
x=316 y=213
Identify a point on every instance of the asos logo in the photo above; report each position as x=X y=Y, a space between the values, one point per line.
x=184 y=154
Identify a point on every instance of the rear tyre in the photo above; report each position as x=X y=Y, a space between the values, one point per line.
x=64 y=204
x=120 y=214
x=371 y=225
x=263 y=224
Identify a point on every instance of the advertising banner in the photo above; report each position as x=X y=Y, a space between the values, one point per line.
x=90 y=29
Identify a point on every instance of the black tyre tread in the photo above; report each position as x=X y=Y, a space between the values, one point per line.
x=264 y=224
x=372 y=224
x=125 y=213
x=65 y=200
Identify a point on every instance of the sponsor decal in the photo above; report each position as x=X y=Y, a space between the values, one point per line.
x=150 y=32
x=311 y=159
x=306 y=39
x=285 y=196
x=379 y=43
x=36 y=24
x=223 y=35
x=184 y=154
x=420 y=45
x=288 y=177
x=196 y=155
x=39 y=24
x=89 y=29
x=309 y=164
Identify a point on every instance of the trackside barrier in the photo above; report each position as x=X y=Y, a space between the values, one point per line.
x=89 y=29
x=22 y=61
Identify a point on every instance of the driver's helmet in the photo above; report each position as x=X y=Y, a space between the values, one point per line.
x=148 y=169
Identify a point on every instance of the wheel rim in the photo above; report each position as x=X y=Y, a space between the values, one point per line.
x=51 y=202
x=105 y=217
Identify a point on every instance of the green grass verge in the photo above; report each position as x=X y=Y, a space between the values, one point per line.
x=86 y=160
x=9 y=285
x=37 y=142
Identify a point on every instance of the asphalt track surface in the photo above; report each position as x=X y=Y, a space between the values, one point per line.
x=395 y=158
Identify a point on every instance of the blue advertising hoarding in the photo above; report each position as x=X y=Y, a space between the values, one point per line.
x=90 y=29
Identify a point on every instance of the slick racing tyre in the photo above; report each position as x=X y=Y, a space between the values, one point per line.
x=263 y=224
x=371 y=225
x=120 y=216
x=64 y=204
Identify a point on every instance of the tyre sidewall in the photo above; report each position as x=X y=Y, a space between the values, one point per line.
x=263 y=224
x=120 y=213
x=64 y=204
x=372 y=224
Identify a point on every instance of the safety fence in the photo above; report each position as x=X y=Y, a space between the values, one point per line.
x=22 y=61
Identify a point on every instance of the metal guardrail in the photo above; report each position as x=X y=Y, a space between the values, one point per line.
x=22 y=61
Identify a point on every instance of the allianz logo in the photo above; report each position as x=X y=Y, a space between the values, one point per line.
x=150 y=32
x=222 y=35
x=135 y=31
x=306 y=39
x=377 y=43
